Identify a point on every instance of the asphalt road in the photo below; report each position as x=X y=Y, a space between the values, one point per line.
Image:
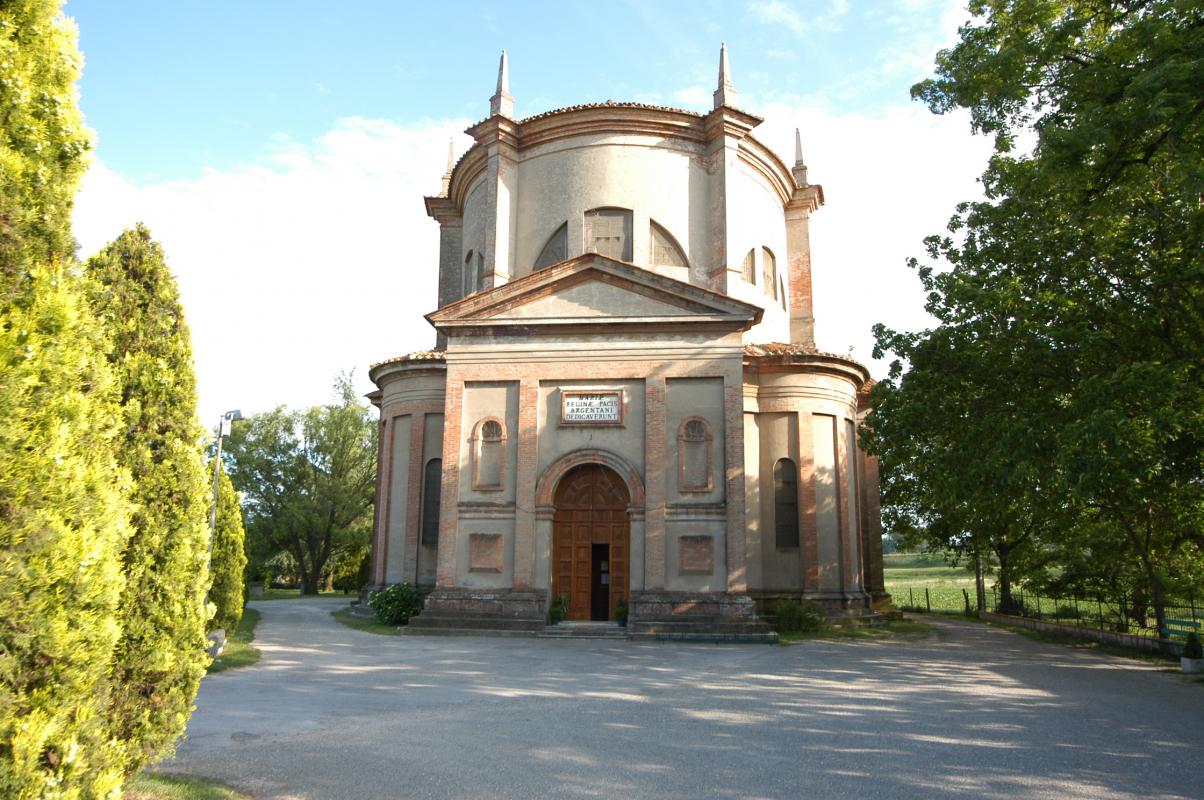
x=335 y=714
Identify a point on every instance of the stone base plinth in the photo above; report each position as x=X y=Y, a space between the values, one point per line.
x=708 y=615
x=468 y=610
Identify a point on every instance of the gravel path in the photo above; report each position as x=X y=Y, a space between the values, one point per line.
x=971 y=711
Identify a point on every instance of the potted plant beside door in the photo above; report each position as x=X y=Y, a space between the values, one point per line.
x=621 y=611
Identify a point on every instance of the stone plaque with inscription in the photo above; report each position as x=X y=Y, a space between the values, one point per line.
x=696 y=555
x=601 y=407
x=484 y=552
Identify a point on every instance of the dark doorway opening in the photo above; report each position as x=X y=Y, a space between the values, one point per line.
x=600 y=584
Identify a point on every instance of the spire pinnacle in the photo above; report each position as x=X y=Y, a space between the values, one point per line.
x=451 y=163
x=726 y=93
x=501 y=102
x=800 y=168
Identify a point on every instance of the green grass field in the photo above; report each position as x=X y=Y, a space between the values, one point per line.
x=294 y=594
x=153 y=786
x=238 y=651
x=927 y=579
x=373 y=625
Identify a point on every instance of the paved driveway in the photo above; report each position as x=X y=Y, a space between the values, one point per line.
x=968 y=712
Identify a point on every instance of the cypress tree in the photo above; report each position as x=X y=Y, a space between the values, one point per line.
x=63 y=506
x=160 y=658
x=229 y=558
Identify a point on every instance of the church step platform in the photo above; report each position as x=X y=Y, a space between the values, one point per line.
x=584 y=630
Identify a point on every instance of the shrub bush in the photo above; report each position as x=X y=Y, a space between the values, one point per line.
x=559 y=609
x=229 y=558
x=64 y=511
x=396 y=604
x=161 y=658
x=1192 y=647
x=791 y=616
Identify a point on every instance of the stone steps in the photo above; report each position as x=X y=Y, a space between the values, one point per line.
x=583 y=630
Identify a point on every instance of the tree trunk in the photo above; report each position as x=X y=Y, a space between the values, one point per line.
x=980 y=589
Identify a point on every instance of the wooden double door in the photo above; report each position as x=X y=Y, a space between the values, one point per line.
x=591 y=533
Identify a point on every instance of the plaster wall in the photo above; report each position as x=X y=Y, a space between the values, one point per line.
x=757 y=221
x=399 y=481
x=827 y=515
x=695 y=397
x=654 y=178
x=778 y=439
x=556 y=440
x=432 y=447
x=489 y=400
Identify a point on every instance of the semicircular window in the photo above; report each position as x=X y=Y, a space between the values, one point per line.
x=769 y=266
x=665 y=249
x=556 y=249
x=608 y=232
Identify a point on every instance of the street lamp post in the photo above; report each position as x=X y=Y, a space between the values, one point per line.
x=223 y=428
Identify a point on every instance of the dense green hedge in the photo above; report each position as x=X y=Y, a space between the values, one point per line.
x=395 y=604
x=229 y=557
x=64 y=514
x=160 y=658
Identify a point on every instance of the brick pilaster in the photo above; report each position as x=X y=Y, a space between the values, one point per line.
x=808 y=523
x=524 y=484
x=449 y=500
x=733 y=423
x=409 y=562
x=654 y=477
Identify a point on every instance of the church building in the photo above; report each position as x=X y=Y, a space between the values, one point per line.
x=625 y=404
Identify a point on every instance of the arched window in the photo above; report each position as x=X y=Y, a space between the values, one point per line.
x=785 y=503
x=769 y=267
x=488 y=457
x=432 y=477
x=749 y=269
x=665 y=249
x=556 y=249
x=608 y=232
x=694 y=455
x=469 y=275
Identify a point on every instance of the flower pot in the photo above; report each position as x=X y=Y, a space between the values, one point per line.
x=1192 y=666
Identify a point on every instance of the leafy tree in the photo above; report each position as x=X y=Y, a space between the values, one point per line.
x=1084 y=266
x=160 y=657
x=228 y=558
x=307 y=479
x=64 y=514
x=43 y=141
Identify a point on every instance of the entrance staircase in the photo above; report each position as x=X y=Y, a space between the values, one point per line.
x=583 y=630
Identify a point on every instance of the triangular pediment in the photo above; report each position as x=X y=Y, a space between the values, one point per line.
x=595 y=290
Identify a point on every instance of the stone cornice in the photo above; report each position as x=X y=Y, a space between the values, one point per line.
x=806 y=198
x=779 y=357
x=623 y=119
x=429 y=362
x=702 y=308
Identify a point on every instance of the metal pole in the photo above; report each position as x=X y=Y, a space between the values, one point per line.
x=927 y=600
x=217 y=467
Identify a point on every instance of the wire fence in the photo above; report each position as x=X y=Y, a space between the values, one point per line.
x=1132 y=614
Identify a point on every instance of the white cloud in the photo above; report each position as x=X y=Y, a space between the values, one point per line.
x=889 y=179
x=320 y=257
x=316 y=260
x=778 y=12
x=694 y=97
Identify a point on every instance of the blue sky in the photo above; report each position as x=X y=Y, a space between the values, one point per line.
x=280 y=151
x=173 y=87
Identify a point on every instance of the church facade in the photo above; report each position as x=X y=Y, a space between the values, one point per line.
x=625 y=405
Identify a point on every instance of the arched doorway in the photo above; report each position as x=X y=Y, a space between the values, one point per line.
x=590 y=539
